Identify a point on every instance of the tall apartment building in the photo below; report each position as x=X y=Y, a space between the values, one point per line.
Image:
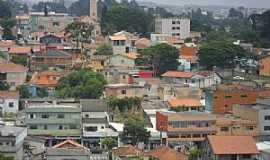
x=11 y=141
x=177 y=27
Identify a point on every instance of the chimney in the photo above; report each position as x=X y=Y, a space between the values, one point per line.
x=93 y=10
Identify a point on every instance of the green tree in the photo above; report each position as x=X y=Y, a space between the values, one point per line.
x=22 y=60
x=161 y=57
x=120 y=17
x=2 y=157
x=42 y=92
x=5 y=10
x=135 y=132
x=233 y=13
x=194 y=154
x=104 y=49
x=220 y=54
x=4 y=86
x=109 y=143
x=52 y=6
x=81 y=84
x=24 y=91
x=80 y=32
x=124 y=104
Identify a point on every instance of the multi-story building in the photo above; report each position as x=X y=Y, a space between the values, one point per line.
x=222 y=99
x=51 y=59
x=123 y=42
x=14 y=74
x=95 y=122
x=11 y=141
x=178 y=129
x=177 y=27
x=53 y=22
x=258 y=112
x=52 y=120
x=23 y=25
x=9 y=102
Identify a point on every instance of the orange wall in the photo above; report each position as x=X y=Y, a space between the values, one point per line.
x=265 y=66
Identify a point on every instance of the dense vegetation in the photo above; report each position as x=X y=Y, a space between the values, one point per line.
x=51 y=6
x=81 y=84
x=161 y=58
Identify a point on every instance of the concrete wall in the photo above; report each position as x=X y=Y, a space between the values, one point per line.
x=6 y=108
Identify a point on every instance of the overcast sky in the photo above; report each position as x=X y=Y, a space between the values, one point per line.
x=246 y=3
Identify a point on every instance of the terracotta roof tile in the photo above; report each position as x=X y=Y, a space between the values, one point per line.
x=177 y=74
x=46 y=78
x=20 y=50
x=233 y=145
x=185 y=102
x=12 y=67
x=143 y=43
x=70 y=144
x=9 y=94
x=166 y=153
x=127 y=151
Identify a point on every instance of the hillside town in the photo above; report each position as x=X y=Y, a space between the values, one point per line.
x=108 y=80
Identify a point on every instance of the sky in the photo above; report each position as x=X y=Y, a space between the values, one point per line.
x=245 y=3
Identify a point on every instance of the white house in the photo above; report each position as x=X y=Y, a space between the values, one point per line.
x=9 y=102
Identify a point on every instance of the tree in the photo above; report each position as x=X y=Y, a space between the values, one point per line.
x=80 y=32
x=135 y=132
x=24 y=91
x=2 y=157
x=161 y=57
x=104 y=49
x=121 y=17
x=81 y=84
x=22 y=60
x=109 y=143
x=42 y=92
x=233 y=13
x=194 y=154
x=80 y=8
x=5 y=10
x=51 y=6
x=4 y=86
x=220 y=36
x=124 y=104
x=220 y=54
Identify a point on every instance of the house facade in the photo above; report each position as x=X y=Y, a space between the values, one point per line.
x=9 y=102
x=13 y=74
x=124 y=90
x=264 y=69
x=11 y=141
x=51 y=120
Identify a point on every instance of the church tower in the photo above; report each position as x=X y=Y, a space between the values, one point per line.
x=93 y=10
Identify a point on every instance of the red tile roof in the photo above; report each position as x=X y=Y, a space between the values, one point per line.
x=46 y=78
x=166 y=153
x=11 y=67
x=127 y=151
x=143 y=43
x=20 y=50
x=177 y=74
x=233 y=145
x=185 y=102
x=9 y=94
x=69 y=144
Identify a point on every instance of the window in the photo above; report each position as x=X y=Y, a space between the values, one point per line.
x=60 y=127
x=45 y=127
x=267 y=118
x=243 y=96
x=11 y=104
x=124 y=92
x=224 y=129
x=227 y=97
x=173 y=28
x=249 y=128
x=31 y=116
x=178 y=28
x=267 y=128
x=127 y=49
x=55 y=23
x=173 y=22
x=90 y=129
x=124 y=77
x=60 y=116
x=216 y=97
x=87 y=116
x=44 y=116
x=72 y=126
x=33 y=127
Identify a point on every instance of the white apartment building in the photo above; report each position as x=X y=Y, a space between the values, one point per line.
x=177 y=27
